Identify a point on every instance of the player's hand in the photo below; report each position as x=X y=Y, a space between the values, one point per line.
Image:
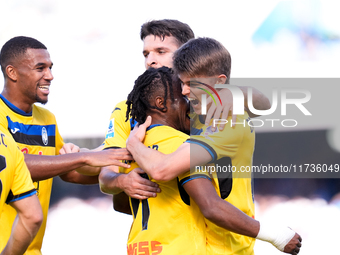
x=294 y=245
x=135 y=186
x=69 y=148
x=108 y=157
x=214 y=112
x=138 y=131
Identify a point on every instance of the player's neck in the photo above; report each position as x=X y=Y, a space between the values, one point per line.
x=161 y=120
x=17 y=101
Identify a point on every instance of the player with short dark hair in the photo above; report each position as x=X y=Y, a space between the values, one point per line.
x=17 y=47
x=26 y=66
x=167 y=27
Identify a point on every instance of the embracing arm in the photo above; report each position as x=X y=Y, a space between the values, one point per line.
x=161 y=167
x=123 y=185
x=134 y=185
x=164 y=167
x=219 y=211
x=227 y=216
x=44 y=167
x=25 y=226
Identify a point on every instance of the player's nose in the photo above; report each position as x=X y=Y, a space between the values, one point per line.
x=48 y=75
x=151 y=60
x=185 y=90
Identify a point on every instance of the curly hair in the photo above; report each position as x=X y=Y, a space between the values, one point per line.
x=146 y=86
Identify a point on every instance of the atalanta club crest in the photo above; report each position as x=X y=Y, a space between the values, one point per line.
x=44 y=136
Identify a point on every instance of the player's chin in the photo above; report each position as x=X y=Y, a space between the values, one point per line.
x=42 y=100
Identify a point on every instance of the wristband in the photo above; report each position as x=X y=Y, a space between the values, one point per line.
x=278 y=236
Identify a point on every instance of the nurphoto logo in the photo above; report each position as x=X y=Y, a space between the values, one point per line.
x=281 y=98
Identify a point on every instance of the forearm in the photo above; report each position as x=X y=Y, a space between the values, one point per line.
x=143 y=155
x=75 y=177
x=110 y=181
x=231 y=218
x=22 y=235
x=260 y=101
x=89 y=170
x=45 y=167
x=161 y=167
x=25 y=226
x=219 y=211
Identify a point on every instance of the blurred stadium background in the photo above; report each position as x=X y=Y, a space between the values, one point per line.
x=97 y=55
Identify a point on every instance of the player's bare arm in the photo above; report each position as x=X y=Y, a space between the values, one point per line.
x=218 y=210
x=231 y=218
x=133 y=184
x=164 y=167
x=25 y=226
x=121 y=186
x=75 y=177
x=61 y=164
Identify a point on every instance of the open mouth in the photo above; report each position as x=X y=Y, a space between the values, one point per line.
x=44 y=87
x=194 y=101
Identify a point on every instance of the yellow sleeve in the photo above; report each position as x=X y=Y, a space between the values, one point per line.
x=190 y=175
x=222 y=143
x=119 y=129
x=59 y=142
x=22 y=186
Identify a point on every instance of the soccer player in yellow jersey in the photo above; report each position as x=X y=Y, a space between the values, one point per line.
x=161 y=38
x=231 y=228
x=169 y=223
x=26 y=66
x=17 y=190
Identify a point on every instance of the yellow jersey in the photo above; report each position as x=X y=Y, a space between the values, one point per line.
x=232 y=152
x=119 y=129
x=170 y=223
x=15 y=179
x=35 y=133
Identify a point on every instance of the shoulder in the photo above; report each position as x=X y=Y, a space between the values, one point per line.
x=41 y=110
x=163 y=132
x=43 y=114
x=121 y=106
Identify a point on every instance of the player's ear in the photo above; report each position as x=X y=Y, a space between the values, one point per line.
x=159 y=102
x=11 y=72
x=221 y=79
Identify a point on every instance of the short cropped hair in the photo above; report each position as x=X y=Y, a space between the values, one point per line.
x=202 y=57
x=167 y=27
x=17 y=47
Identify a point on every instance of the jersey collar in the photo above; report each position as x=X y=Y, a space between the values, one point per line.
x=14 y=108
